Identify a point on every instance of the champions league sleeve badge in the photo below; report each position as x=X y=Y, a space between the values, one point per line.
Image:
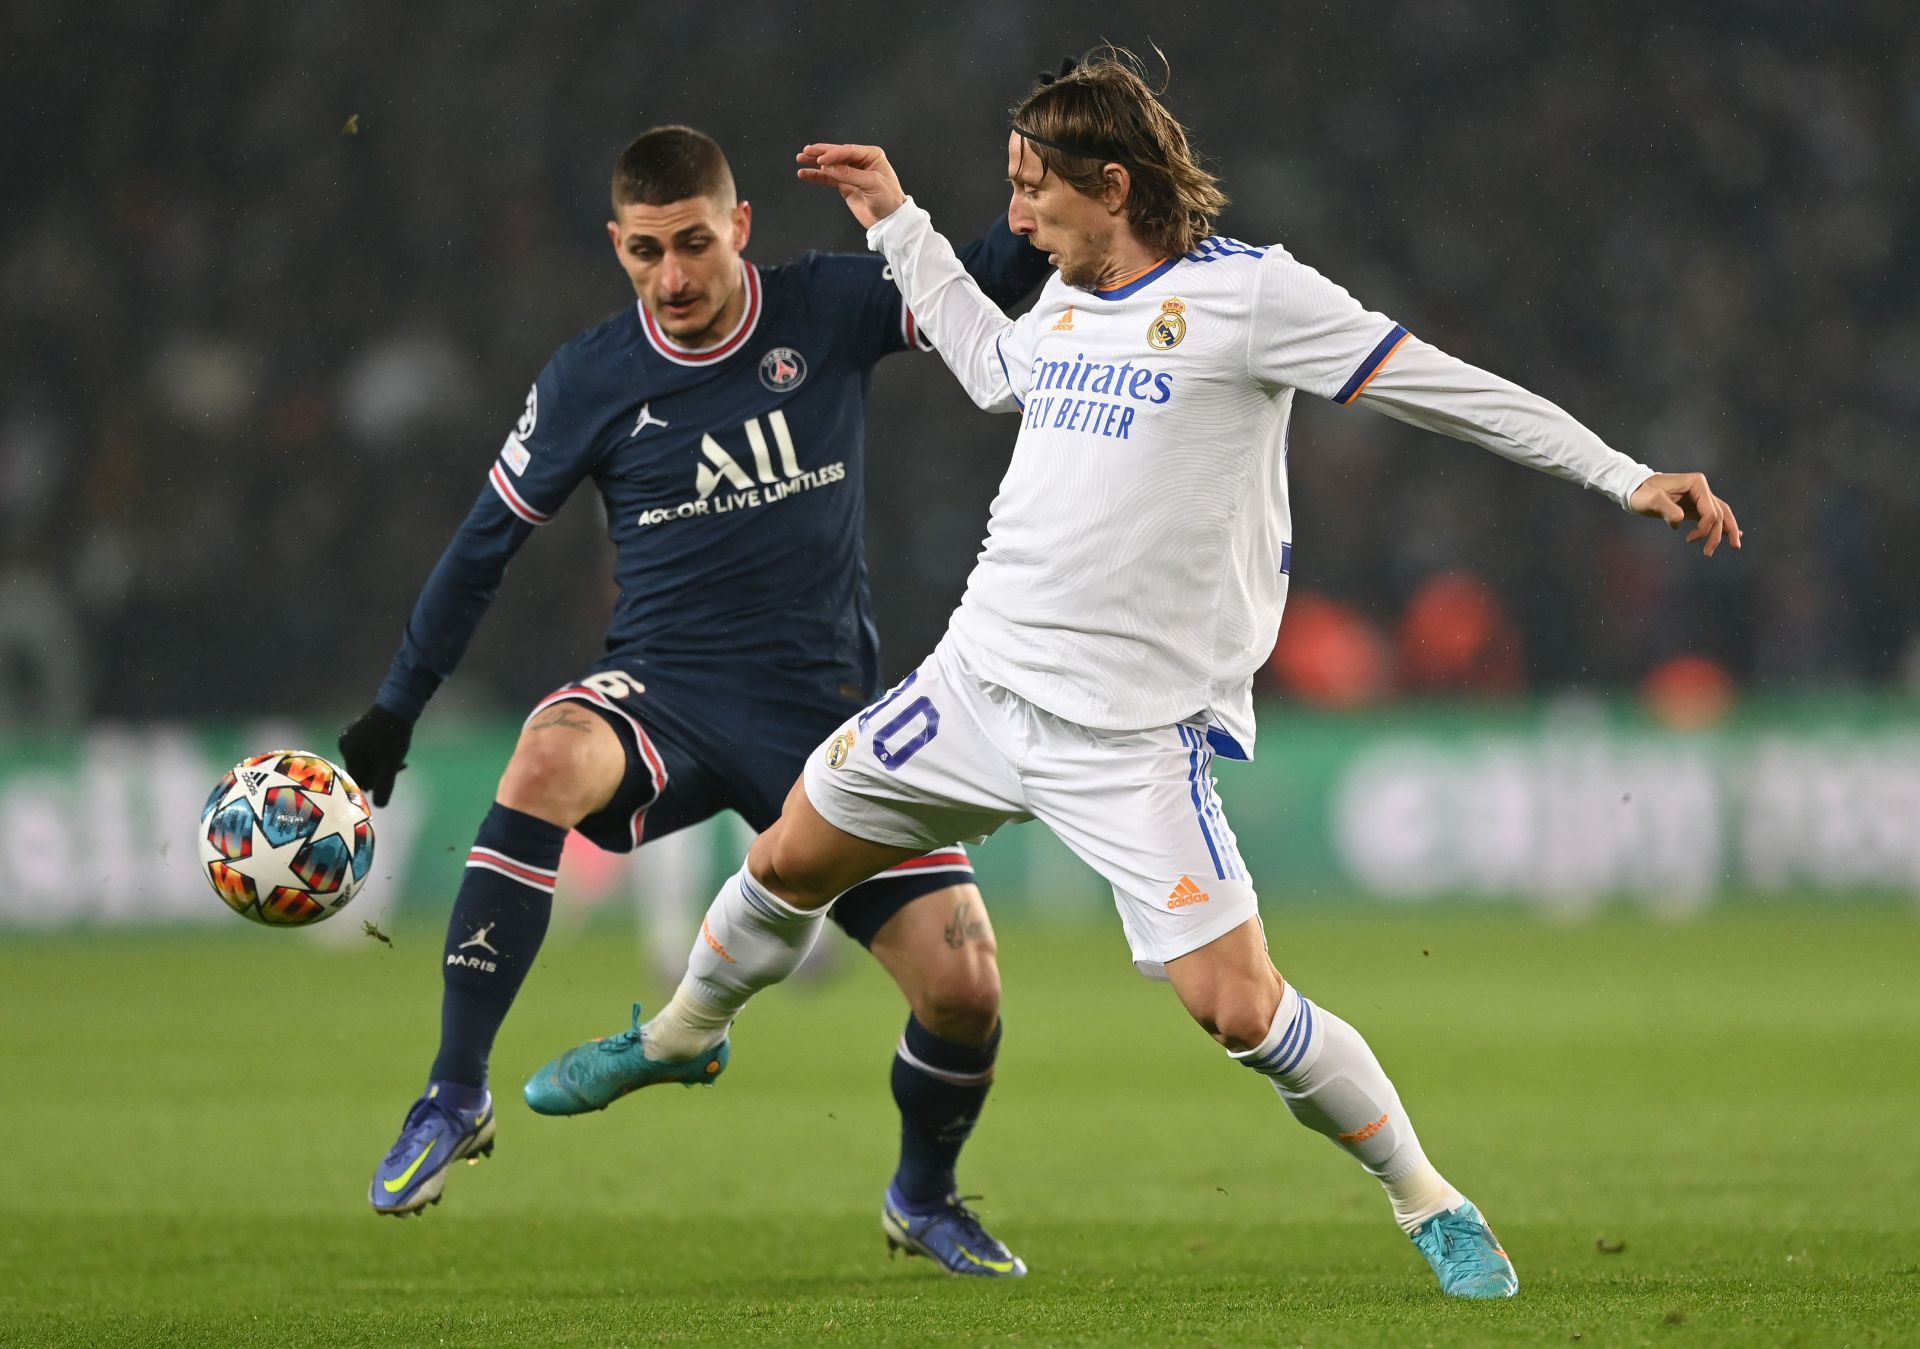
x=782 y=369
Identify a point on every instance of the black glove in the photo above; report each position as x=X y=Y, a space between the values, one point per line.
x=375 y=750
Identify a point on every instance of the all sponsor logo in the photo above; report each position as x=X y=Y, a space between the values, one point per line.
x=722 y=483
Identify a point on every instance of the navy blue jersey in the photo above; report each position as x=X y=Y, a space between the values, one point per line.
x=732 y=479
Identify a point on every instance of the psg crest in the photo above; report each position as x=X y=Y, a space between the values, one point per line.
x=782 y=368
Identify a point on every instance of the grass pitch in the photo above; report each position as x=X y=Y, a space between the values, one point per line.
x=1696 y=1134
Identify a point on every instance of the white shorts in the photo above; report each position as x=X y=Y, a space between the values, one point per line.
x=944 y=757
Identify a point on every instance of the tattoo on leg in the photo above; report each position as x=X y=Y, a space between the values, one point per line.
x=966 y=925
x=562 y=717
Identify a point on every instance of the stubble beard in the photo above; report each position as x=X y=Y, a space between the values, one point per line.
x=709 y=332
x=1084 y=271
x=690 y=337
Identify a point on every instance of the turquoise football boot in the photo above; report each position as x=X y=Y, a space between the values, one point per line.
x=1465 y=1255
x=596 y=1074
x=950 y=1234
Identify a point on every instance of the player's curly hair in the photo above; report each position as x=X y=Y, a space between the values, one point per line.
x=669 y=164
x=1100 y=110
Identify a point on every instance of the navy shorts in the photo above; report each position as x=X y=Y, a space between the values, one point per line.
x=694 y=750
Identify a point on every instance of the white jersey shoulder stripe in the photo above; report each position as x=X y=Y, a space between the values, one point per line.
x=1216 y=247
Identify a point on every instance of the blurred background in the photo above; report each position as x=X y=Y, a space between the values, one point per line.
x=274 y=281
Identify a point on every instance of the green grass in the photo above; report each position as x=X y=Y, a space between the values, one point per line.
x=187 y=1124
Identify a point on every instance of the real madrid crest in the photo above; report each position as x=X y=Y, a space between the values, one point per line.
x=839 y=748
x=782 y=369
x=1168 y=326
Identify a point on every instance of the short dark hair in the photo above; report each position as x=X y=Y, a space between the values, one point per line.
x=1103 y=111
x=669 y=164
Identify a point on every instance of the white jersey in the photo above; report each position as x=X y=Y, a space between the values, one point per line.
x=1138 y=552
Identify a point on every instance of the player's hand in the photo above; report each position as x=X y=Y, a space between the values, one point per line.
x=374 y=749
x=1680 y=497
x=861 y=174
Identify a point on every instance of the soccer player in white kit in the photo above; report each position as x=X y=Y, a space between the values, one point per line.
x=1134 y=573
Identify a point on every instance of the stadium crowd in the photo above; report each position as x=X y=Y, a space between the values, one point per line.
x=272 y=287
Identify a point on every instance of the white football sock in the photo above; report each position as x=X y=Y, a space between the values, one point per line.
x=684 y=1027
x=1332 y=1083
x=748 y=940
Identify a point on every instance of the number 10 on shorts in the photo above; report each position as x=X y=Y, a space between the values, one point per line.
x=891 y=746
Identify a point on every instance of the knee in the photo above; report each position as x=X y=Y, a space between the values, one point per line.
x=962 y=1003
x=1239 y=1015
x=546 y=778
x=789 y=871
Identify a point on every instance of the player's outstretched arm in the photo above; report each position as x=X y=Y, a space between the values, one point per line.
x=1680 y=497
x=965 y=326
x=1312 y=335
x=1426 y=387
x=551 y=450
x=455 y=598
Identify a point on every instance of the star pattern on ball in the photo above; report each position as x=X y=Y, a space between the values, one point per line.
x=338 y=814
x=269 y=866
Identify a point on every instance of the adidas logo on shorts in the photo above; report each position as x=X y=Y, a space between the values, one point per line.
x=1185 y=893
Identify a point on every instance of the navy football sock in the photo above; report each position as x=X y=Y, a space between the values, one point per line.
x=499 y=920
x=940 y=1086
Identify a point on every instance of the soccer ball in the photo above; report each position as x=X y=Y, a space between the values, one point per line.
x=286 y=838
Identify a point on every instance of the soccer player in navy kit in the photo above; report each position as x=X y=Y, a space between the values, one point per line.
x=721 y=419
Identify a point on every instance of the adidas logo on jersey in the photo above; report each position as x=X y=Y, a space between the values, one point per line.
x=1065 y=322
x=1185 y=893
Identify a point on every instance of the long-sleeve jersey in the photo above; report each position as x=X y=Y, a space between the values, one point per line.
x=1139 y=549
x=732 y=478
